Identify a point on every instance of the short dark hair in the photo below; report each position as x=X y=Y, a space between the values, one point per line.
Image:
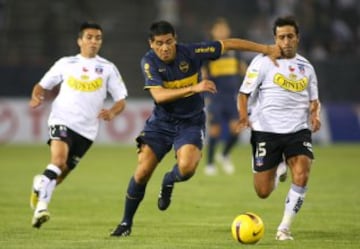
x=160 y=28
x=220 y=20
x=88 y=25
x=285 y=21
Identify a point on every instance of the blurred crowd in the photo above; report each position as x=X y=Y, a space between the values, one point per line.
x=328 y=27
x=34 y=33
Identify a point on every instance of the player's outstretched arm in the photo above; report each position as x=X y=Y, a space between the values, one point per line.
x=273 y=51
x=37 y=96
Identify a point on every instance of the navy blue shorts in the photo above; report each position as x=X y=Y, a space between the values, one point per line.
x=220 y=110
x=161 y=134
x=270 y=148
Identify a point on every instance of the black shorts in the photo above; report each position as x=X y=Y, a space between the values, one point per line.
x=78 y=145
x=269 y=149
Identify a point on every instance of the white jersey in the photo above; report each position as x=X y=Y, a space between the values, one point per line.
x=85 y=83
x=280 y=96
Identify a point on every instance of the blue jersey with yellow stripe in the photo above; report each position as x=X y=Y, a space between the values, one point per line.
x=184 y=71
x=225 y=72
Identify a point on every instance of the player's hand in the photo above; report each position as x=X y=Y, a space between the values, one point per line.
x=274 y=53
x=315 y=123
x=204 y=86
x=36 y=100
x=242 y=124
x=106 y=115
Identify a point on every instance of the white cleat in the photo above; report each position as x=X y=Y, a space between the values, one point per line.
x=40 y=218
x=226 y=164
x=283 y=234
x=210 y=170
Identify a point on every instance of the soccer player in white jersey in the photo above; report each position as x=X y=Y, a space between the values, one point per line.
x=286 y=112
x=85 y=80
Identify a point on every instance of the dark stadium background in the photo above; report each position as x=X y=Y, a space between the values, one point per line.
x=36 y=33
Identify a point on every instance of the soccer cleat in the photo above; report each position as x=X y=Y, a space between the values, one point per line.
x=34 y=196
x=281 y=172
x=40 y=218
x=210 y=170
x=283 y=234
x=165 y=196
x=226 y=164
x=122 y=230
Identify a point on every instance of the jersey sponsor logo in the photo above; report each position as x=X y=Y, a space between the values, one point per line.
x=184 y=66
x=291 y=83
x=83 y=85
x=203 y=50
x=188 y=81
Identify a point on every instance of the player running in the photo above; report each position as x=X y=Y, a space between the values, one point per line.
x=85 y=80
x=172 y=76
x=286 y=108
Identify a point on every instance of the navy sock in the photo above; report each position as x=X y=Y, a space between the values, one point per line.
x=135 y=194
x=174 y=176
x=211 y=149
x=230 y=142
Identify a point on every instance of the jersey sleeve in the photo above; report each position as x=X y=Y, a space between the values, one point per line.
x=53 y=76
x=116 y=85
x=313 y=86
x=151 y=73
x=254 y=75
x=209 y=50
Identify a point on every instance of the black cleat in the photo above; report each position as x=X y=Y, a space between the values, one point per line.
x=122 y=230
x=165 y=197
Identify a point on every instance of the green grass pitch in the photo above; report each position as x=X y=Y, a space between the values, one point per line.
x=89 y=204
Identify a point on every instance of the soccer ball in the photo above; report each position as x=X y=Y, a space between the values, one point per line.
x=247 y=228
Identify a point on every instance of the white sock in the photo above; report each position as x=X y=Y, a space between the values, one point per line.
x=46 y=187
x=293 y=203
x=279 y=171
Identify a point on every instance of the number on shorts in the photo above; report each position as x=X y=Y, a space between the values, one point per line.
x=260 y=150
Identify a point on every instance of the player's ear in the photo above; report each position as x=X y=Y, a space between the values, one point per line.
x=79 y=42
x=150 y=43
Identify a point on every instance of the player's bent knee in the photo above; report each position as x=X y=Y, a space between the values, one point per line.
x=262 y=192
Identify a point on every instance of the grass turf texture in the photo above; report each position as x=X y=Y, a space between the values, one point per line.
x=89 y=204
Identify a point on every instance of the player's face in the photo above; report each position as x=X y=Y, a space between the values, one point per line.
x=90 y=42
x=288 y=40
x=164 y=47
x=220 y=31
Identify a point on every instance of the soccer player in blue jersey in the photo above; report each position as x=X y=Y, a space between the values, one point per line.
x=173 y=78
x=226 y=72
